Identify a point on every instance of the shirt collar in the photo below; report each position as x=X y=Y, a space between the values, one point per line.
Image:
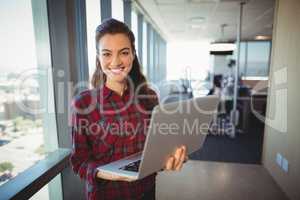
x=107 y=92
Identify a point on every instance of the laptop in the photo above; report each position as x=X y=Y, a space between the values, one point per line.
x=171 y=125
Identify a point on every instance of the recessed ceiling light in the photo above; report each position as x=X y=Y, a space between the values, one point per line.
x=262 y=37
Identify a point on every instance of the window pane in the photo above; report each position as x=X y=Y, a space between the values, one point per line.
x=150 y=65
x=117 y=10
x=145 y=48
x=134 y=28
x=93 y=19
x=242 y=69
x=43 y=193
x=22 y=124
x=258 y=58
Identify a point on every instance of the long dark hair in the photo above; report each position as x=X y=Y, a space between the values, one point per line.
x=113 y=26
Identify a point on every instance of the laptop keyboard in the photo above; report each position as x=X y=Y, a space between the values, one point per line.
x=134 y=166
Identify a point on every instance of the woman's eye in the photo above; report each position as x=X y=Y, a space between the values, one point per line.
x=106 y=54
x=125 y=53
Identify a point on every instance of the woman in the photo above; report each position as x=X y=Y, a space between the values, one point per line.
x=109 y=122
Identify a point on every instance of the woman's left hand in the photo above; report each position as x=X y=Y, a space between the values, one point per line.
x=176 y=161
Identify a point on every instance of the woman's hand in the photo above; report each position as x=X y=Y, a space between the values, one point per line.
x=112 y=177
x=176 y=161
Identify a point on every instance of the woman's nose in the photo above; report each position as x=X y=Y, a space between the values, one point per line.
x=116 y=61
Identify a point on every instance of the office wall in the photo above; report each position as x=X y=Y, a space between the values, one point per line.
x=282 y=135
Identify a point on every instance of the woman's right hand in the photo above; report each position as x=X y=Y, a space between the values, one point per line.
x=112 y=177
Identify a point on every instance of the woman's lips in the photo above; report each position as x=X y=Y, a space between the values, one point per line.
x=117 y=71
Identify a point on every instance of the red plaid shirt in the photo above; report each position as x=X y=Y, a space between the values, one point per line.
x=107 y=127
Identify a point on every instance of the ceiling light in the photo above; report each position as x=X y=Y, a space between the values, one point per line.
x=222 y=49
x=222 y=46
x=262 y=37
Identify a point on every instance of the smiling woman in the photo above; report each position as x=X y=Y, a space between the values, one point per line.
x=121 y=89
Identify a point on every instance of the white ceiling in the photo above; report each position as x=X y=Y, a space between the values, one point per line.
x=173 y=18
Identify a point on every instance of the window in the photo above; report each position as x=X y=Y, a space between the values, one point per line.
x=93 y=19
x=187 y=56
x=26 y=89
x=258 y=58
x=254 y=58
x=145 y=48
x=150 y=51
x=117 y=9
x=243 y=58
x=134 y=28
x=42 y=194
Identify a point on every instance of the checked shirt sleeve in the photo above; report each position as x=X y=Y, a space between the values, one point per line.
x=81 y=155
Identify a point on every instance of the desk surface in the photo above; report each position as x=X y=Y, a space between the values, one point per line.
x=216 y=180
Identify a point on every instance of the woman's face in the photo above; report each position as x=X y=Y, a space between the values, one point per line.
x=115 y=56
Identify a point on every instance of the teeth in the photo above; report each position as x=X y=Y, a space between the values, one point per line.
x=117 y=70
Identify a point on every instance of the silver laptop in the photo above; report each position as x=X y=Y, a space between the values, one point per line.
x=172 y=125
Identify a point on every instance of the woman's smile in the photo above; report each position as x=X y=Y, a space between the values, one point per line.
x=117 y=70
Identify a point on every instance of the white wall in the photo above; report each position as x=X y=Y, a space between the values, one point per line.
x=282 y=132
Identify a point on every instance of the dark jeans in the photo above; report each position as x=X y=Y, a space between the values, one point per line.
x=149 y=195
